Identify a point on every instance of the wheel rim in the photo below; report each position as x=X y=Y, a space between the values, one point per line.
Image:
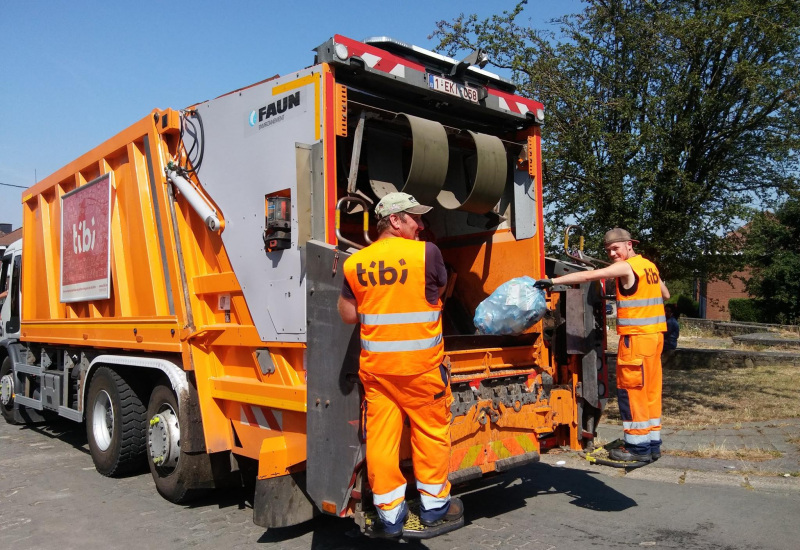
x=164 y=439
x=103 y=420
x=7 y=391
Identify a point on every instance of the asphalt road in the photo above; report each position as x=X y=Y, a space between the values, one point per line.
x=51 y=497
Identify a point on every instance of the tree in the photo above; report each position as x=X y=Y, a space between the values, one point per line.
x=667 y=118
x=772 y=250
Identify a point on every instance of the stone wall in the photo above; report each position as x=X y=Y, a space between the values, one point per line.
x=729 y=328
x=719 y=328
x=686 y=358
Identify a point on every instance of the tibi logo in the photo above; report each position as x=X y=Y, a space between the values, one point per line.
x=386 y=275
x=82 y=237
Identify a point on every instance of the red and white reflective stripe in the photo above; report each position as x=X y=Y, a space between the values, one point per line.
x=260 y=417
x=374 y=62
x=378 y=59
x=514 y=103
x=520 y=108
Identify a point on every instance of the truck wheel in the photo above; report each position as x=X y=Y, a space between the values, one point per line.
x=173 y=470
x=115 y=424
x=7 y=391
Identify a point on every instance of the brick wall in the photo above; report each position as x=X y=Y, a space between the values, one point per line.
x=718 y=293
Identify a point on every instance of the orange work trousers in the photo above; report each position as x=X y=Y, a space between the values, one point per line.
x=639 y=390
x=425 y=400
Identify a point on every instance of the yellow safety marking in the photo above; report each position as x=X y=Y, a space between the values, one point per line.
x=500 y=449
x=314 y=78
x=525 y=442
x=471 y=456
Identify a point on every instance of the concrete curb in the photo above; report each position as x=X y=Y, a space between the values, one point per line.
x=678 y=476
x=776 y=474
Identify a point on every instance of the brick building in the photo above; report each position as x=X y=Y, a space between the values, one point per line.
x=714 y=295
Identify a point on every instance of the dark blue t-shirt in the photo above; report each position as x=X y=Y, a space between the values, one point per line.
x=671 y=336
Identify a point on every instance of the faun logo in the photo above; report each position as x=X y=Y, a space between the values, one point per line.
x=262 y=115
x=83 y=237
x=386 y=275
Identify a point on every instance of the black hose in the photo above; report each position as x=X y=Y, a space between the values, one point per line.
x=194 y=155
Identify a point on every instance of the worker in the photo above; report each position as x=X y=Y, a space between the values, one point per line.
x=673 y=328
x=640 y=324
x=393 y=288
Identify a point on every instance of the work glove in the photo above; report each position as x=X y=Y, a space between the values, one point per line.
x=544 y=284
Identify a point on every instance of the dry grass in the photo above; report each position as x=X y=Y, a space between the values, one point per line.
x=697 y=398
x=720 y=451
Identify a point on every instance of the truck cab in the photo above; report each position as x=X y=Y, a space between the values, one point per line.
x=10 y=298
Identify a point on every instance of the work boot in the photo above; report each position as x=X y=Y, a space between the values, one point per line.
x=655 y=453
x=453 y=512
x=622 y=454
x=391 y=530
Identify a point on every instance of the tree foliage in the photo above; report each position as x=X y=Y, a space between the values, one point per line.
x=664 y=117
x=772 y=251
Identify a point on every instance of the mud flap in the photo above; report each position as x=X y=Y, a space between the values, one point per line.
x=413 y=527
x=600 y=456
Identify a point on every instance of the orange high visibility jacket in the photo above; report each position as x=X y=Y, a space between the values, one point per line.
x=642 y=310
x=401 y=332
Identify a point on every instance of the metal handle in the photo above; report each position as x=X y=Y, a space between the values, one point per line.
x=365 y=206
x=579 y=256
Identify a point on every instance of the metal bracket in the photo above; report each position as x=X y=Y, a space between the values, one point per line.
x=265 y=361
x=355 y=158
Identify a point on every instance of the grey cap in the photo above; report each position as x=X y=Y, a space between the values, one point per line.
x=618 y=235
x=399 y=202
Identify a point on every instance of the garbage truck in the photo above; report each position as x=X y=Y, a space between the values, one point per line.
x=175 y=287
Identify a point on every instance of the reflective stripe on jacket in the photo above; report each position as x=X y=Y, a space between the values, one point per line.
x=401 y=332
x=643 y=311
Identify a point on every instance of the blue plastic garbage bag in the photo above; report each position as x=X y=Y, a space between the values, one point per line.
x=511 y=309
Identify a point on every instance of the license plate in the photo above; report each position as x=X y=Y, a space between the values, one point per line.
x=447 y=86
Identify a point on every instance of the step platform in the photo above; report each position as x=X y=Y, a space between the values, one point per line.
x=600 y=456
x=413 y=527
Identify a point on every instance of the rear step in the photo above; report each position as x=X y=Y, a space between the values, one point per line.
x=413 y=527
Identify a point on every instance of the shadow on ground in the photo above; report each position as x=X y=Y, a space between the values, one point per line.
x=490 y=498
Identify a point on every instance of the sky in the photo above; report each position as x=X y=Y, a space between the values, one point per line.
x=73 y=74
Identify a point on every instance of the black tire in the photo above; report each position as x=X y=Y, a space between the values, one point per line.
x=7 y=410
x=176 y=482
x=115 y=424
